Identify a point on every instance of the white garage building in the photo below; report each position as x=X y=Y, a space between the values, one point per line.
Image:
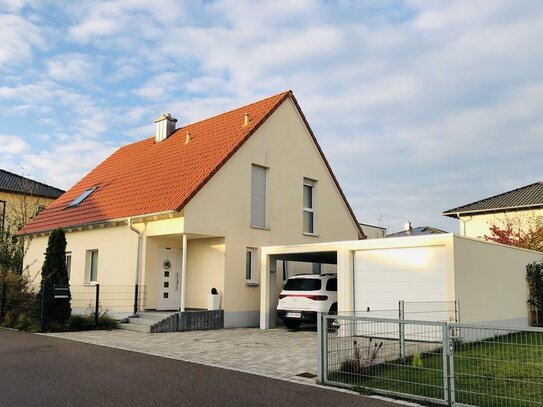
x=487 y=279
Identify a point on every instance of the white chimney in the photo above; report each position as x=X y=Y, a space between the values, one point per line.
x=164 y=127
x=407 y=226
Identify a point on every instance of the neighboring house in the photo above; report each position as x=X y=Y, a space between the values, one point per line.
x=189 y=209
x=373 y=232
x=22 y=198
x=521 y=206
x=417 y=231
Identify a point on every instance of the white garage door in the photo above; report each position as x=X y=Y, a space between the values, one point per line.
x=382 y=277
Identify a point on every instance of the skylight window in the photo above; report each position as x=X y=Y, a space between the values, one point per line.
x=82 y=197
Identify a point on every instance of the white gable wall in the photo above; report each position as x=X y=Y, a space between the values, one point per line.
x=223 y=207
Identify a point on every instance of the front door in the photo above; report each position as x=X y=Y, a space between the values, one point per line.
x=168 y=278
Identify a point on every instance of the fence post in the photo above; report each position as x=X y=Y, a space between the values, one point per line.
x=3 y=299
x=457 y=311
x=320 y=350
x=324 y=344
x=43 y=319
x=401 y=306
x=136 y=291
x=445 y=351
x=452 y=380
x=97 y=306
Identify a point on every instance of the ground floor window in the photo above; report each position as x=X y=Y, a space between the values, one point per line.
x=250 y=265
x=69 y=263
x=92 y=266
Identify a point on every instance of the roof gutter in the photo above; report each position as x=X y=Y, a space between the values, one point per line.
x=104 y=222
x=457 y=214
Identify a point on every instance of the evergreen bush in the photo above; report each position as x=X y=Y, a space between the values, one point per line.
x=57 y=310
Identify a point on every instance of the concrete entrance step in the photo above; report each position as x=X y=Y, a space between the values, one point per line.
x=155 y=315
x=135 y=327
x=146 y=321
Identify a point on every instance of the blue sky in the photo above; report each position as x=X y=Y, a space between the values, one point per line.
x=420 y=106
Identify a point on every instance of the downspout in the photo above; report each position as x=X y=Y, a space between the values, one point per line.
x=138 y=260
x=183 y=274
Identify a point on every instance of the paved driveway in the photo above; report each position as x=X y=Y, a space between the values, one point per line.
x=276 y=353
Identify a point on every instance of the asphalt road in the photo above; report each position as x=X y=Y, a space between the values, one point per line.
x=38 y=370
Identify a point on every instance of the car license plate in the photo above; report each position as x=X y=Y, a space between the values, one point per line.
x=294 y=315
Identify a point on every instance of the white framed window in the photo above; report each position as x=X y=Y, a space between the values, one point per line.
x=258 y=196
x=309 y=206
x=92 y=266
x=69 y=264
x=250 y=266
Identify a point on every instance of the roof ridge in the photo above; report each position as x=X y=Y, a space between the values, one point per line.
x=216 y=116
x=236 y=108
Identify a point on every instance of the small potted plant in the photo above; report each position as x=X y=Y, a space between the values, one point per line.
x=213 y=300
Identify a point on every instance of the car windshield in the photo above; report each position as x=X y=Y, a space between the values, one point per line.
x=303 y=284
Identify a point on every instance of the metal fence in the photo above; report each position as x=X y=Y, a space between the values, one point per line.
x=442 y=363
x=22 y=307
x=442 y=311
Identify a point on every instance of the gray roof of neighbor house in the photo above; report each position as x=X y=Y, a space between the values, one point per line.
x=527 y=197
x=15 y=183
x=418 y=231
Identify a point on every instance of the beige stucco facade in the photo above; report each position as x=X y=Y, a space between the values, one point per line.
x=488 y=279
x=20 y=207
x=216 y=224
x=478 y=225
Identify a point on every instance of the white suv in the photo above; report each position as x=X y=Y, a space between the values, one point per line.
x=304 y=296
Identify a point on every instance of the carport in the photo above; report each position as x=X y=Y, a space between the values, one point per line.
x=488 y=279
x=270 y=282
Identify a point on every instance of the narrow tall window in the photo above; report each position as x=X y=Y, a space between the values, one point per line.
x=250 y=265
x=69 y=263
x=92 y=265
x=258 y=196
x=309 y=206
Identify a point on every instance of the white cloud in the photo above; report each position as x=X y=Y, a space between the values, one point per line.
x=13 y=6
x=19 y=38
x=62 y=165
x=160 y=86
x=12 y=145
x=73 y=67
x=102 y=22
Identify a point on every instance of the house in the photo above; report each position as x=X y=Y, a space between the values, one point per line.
x=522 y=206
x=436 y=276
x=373 y=232
x=22 y=198
x=416 y=231
x=189 y=209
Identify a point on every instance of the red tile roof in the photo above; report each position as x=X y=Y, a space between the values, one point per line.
x=150 y=177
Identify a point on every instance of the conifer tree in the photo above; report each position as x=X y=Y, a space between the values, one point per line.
x=53 y=272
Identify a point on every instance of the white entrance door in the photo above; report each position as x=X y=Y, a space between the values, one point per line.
x=168 y=278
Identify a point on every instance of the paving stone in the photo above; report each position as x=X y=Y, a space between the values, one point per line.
x=276 y=352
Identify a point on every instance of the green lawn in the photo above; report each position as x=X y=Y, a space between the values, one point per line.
x=503 y=371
